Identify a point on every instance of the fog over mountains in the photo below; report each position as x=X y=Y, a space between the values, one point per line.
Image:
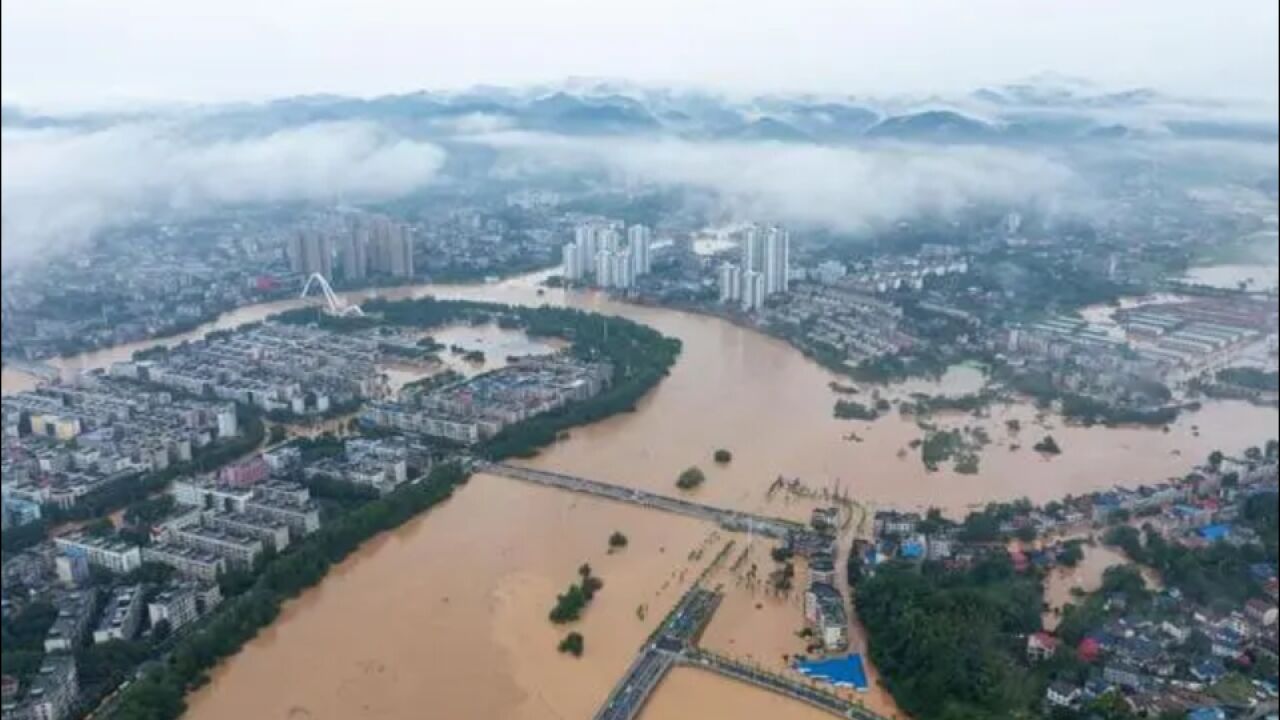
x=834 y=162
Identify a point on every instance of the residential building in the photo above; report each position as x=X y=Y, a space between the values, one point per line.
x=52 y=693
x=311 y=251
x=825 y=613
x=639 y=241
x=188 y=561
x=753 y=290
x=751 y=250
x=1061 y=694
x=75 y=611
x=776 y=261
x=240 y=550
x=572 y=262
x=302 y=518
x=1041 y=646
x=1123 y=674
x=175 y=607
x=273 y=533
x=353 y=253
x=183 y=603
x=730 y=283
x=391 y=248
x=72 y=570
x=114 y=555
x=121 y=616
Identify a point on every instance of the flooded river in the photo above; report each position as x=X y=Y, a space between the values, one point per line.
x=447 y=616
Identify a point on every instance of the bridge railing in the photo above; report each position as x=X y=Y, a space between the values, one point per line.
x=808 y=692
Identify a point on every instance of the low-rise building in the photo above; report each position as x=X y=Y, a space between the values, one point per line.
x=824 y=611
x=1123 y=674
x=121 y=616
x=1061 y=694
x=75 y=611
x=114 y=555
x=1041 y=646
x=72 y=570
x=273 y=533
x=52 y=693
x=302 y=518
x=188 y=561
x=239 y=550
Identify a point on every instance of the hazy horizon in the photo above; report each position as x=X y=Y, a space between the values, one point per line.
x=78 y=54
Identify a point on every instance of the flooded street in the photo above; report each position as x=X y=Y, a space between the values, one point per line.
x=447 y=617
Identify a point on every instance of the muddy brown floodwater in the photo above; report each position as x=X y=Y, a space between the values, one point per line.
x=447 y=616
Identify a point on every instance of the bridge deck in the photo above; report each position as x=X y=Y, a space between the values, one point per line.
x=729 y=519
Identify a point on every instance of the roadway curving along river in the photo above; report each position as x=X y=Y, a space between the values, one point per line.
x=446 y=617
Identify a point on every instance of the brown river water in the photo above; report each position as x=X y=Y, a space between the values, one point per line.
x=446 y=617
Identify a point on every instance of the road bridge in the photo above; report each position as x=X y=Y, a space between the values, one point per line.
x=734 y=520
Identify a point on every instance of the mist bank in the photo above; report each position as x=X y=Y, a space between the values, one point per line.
x=63 y=185
x=847 y=165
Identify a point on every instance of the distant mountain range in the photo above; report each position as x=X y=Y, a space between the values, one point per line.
x=1042 y=110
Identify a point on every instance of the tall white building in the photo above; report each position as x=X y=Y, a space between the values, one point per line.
x=607 y=240
x=354 y=253
x=380 y=245
x=753 y=292
x=752 y=250
x=639 y=242
x=597 y=250
x=730 y=283
x=604 y=269
x=623 y=271
x=776 y=261
x=571 y=257
x=311 y=251
x=584 y=236
x=614 y=270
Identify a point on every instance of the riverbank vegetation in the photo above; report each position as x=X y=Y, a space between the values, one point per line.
x=690 y=479
x=1250 y=378
x=959 y=446
x=722 y=456
x=159 y=693
x=853 y=410
x=570 y=604
x=573 y=643
x=887 y=369
x=1149 y=405
x=922 y=405
x=1048 y=446
x=946 y=641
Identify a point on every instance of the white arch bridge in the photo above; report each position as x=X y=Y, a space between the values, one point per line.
x=334 y=305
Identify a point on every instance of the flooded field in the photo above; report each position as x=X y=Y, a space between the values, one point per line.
x=1232 y=277
x=447 y=617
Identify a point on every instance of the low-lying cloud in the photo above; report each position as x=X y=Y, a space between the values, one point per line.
x=841 y=188
x=61 y=186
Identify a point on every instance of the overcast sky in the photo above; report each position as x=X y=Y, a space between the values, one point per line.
x=87 y=52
